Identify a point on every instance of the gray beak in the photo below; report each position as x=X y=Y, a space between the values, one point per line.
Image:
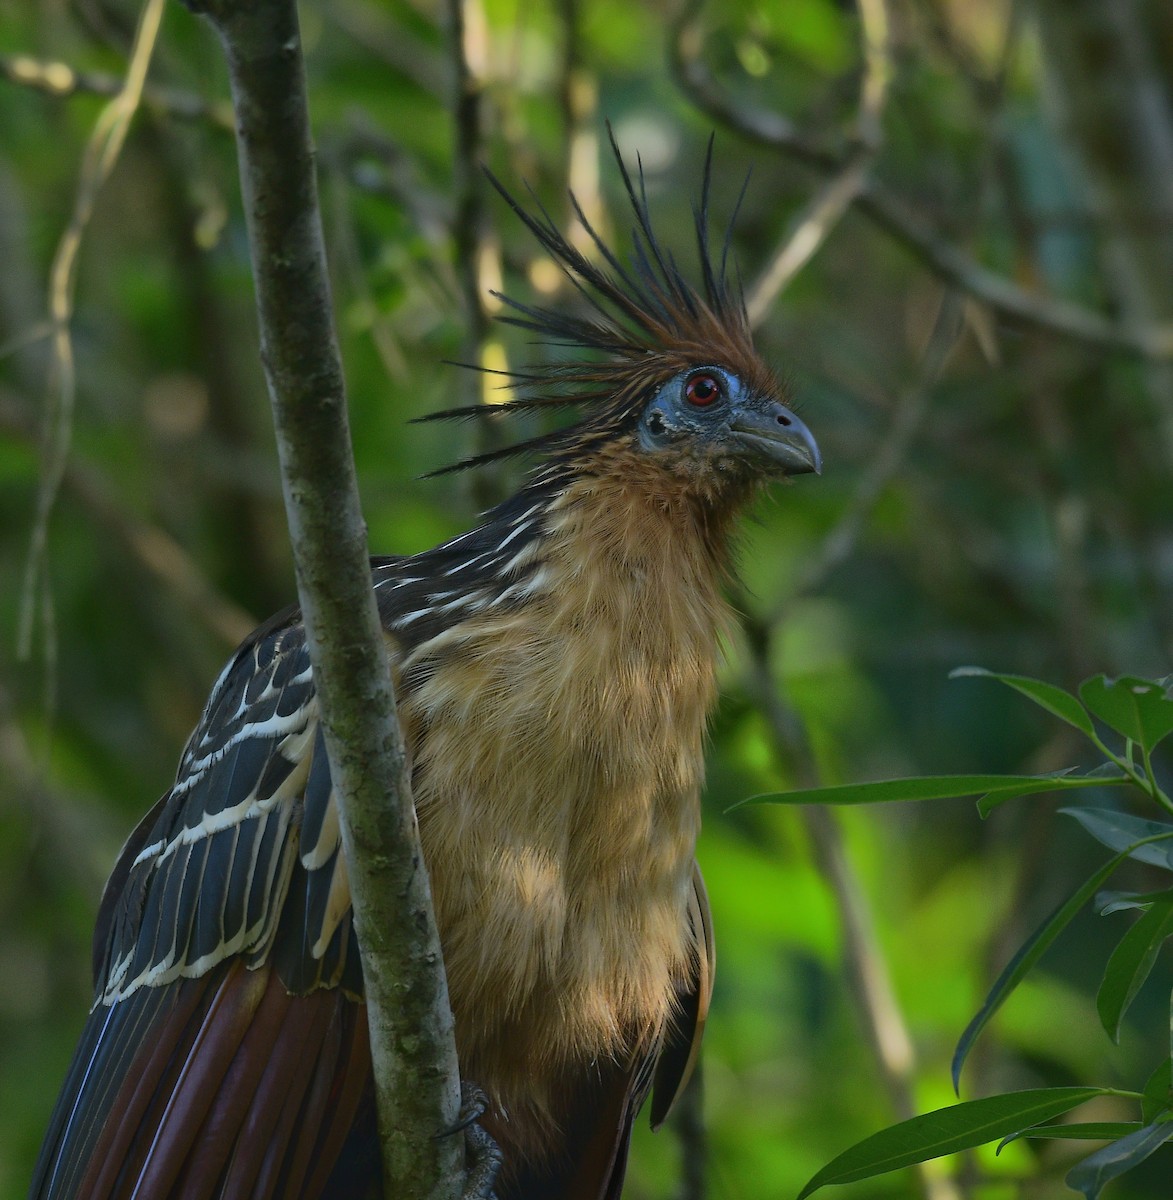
x=780 y=437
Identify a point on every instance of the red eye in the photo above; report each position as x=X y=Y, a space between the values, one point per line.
x=702 y=390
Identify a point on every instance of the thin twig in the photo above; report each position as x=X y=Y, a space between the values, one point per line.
x=469 y=36
x=809 y=230
x=382 y=33
x=413 y=1052
x=884 y=465
x=578 y=94
x=155 y=549
x=477 y=254
x=865 y=970
x=55 y=78
x=375 y=165
x=814 y=224
x=345 y=245
x=101 y=155
x=75 y=828
x=891 y=214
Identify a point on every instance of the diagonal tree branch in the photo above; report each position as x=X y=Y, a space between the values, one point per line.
x=151 y=545
x=890 y=213
x=814 y=224
x=415 y=1069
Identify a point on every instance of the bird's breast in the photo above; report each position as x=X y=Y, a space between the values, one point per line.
x=558 y=751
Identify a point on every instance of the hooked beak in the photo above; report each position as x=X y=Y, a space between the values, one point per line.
x=780 y=437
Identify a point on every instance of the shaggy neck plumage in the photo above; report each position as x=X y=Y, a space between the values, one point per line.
x=560 y=885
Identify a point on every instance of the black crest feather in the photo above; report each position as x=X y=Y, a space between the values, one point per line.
x=635 y=323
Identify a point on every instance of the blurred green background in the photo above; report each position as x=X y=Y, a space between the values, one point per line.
x=996 y=490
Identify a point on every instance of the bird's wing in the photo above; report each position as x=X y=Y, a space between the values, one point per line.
x=682 y=1043
x=227 y=1017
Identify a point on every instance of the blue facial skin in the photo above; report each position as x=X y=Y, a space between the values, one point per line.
x=709 y=407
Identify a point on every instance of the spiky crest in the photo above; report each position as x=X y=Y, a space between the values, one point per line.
x=645 y=321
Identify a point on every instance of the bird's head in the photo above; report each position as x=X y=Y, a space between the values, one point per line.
x=707 y=414
x=669 y=388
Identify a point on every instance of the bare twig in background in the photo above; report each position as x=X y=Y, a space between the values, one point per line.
x=578 y=93
x=1102 y=80
x=885 y=463
x=807 y=232
x=154 y=548
x=101 y=154
x=475 y=248
x=414 y=1056
x=78 y=833
x=470 y=49
x=386 y=37
x=814 y=223
x=374 y=164
x=344 y=245
x=865 y=970
x=891 y=214
x=60 y=79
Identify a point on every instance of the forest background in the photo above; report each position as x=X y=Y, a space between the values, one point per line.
x=957 y=243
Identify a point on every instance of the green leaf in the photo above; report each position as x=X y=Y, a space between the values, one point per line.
x=946 y=1131
x=1046 y=695
x=1105 y=1165
x=1158 y=1092
x=1130 y=964
x=1140 y=709
x=1086 y=1131
x=1122 y=831
x=1030 y=952
x=932 y=787
x=1105 y=775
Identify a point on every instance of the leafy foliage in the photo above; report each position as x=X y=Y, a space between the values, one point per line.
x=1141 y=712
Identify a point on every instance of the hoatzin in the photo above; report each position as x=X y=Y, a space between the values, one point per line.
x=554 y=669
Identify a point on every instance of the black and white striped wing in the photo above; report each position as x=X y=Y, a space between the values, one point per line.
x=225 y=928
x=245 y=846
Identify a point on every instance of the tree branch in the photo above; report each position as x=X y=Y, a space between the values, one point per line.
x=890 y=213
x=101 y=155
x=813 y=225
x=885 y=464
x=412 y=1047
x=56 y=78
x=155 y=549
x=866 y=974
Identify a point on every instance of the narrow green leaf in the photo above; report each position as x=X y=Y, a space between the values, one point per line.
x=1104 y=775
x=1030 y=952
x=931 y=787
x=1130 y=964
x=1087 y=1131
x=1158 y=1092
x=1046 y=695
x=926 y=787
x=1105 y=1165
x=1120 y=830
x=1140 y=709
x=946 y=1131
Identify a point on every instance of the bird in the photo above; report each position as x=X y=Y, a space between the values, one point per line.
x=555 y=669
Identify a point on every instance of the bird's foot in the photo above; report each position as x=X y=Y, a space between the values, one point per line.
x=482 y=1154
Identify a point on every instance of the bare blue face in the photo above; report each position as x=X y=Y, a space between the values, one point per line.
x=709 y=410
